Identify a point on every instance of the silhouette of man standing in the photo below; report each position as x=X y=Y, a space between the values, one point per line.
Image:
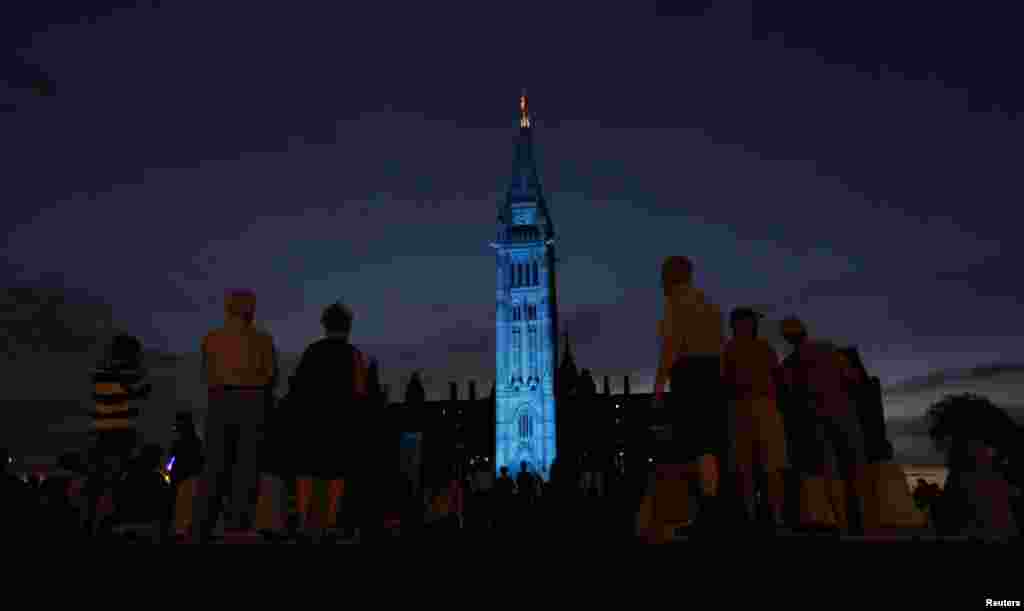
x=525 y=484
x=758 y=435
x=239 y=366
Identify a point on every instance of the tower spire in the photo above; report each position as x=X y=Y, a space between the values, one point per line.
x=524 y=110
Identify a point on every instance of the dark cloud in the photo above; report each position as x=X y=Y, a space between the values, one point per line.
x=879 y=205
x=681 y=8
x=940 y=379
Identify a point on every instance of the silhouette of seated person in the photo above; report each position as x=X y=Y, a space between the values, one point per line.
x=144 y=493
x=16 y=495
x=56 y=515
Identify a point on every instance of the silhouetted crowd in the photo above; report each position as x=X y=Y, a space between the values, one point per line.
x=318 y=464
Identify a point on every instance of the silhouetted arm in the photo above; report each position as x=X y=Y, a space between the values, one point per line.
x=275 y=376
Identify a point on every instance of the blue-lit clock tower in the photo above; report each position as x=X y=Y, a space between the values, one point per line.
x=527 y=317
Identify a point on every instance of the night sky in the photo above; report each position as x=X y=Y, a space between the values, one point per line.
x=855 y=166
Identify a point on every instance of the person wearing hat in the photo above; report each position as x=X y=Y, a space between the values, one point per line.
x=118 y=381
x=239 y=365
x=819 y=377
x=758 y=434
x=692 y=340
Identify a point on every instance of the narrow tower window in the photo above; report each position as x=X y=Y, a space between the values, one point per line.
x=524 y=426
x=535 y=282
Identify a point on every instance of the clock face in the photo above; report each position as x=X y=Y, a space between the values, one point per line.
x=523 y=217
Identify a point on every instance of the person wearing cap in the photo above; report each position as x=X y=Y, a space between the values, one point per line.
x=820 y=376
x=239 y=364
x=758 y=434
x=692 y=339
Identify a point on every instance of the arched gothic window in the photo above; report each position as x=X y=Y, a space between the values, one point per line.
x=525 y=426
x=532 y=337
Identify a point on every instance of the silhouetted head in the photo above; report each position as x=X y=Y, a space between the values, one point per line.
x=522 y=466
x=337 y=319
x=744 y=323
x=793 y=331
x=676 y=272
x=240 y=304
x=124 y=351
x=504 y=471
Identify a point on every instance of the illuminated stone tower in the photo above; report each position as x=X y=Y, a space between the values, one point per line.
x=527 y=317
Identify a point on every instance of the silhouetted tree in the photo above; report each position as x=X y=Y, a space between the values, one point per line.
x=957 y=419
x=414 y=392
x=586 y=386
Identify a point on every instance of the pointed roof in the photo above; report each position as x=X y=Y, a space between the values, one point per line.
x=415 y=394
x=568 y=361
x=524 y=185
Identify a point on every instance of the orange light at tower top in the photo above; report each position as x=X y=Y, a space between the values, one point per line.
x=524 y=112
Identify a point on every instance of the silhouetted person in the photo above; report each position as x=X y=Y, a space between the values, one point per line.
x=822 y=376
x=692 y=341
x=979 y=497
x=54 y=513
x=327 y=399
x=16 y=498
x=144 y=494
x=526 y=485
x=239 y=363
x=75 y=468
x=186 y=464
x=758 y=434
x=504 y=494
x=483 y=485
x=117 y=381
